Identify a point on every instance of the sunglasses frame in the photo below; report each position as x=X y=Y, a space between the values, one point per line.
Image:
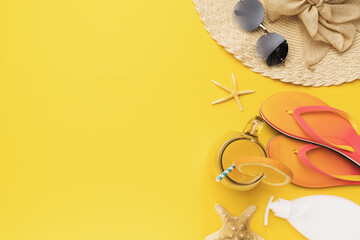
x=272 y=47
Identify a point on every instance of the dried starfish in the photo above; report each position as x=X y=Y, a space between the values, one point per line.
x=235 y=228
x=233 y=93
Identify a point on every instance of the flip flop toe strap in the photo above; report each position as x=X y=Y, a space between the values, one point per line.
x=316 y=137
x=304 y=159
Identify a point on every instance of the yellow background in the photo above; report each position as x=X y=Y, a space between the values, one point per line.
x=106 y=122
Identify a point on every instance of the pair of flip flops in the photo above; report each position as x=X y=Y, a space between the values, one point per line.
x=320 y=144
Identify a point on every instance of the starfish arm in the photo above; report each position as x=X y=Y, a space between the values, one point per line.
x=236 y=90
x=224 y=215
x=238 y=102
x=222 y=86
x=212 y=236
x=222 y=99
x=249 y=212
x=245 y=92
x=219 y=235
x=255 y=236
x=235 y=83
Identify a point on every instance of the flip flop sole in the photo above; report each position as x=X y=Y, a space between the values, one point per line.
x=284 y=149
x=329 y=125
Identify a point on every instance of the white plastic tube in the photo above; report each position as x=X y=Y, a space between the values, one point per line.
x=319 y=217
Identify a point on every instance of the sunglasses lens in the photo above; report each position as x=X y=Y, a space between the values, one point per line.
x=248 y=14
x=272 y=47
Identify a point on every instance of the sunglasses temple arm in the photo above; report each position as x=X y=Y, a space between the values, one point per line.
x=263 y=28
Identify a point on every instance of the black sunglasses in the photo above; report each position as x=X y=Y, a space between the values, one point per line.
x=272 y=47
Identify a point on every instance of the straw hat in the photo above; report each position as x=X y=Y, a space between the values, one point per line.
x=335 y=68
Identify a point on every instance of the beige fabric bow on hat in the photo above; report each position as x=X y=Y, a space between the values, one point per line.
x=326 y=23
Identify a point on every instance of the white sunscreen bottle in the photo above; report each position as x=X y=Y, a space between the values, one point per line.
x=319 y=217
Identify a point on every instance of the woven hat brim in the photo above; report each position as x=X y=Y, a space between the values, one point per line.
x=334 y=69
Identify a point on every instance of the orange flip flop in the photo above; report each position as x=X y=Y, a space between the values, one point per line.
x=304 y=117
x=313 y=166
